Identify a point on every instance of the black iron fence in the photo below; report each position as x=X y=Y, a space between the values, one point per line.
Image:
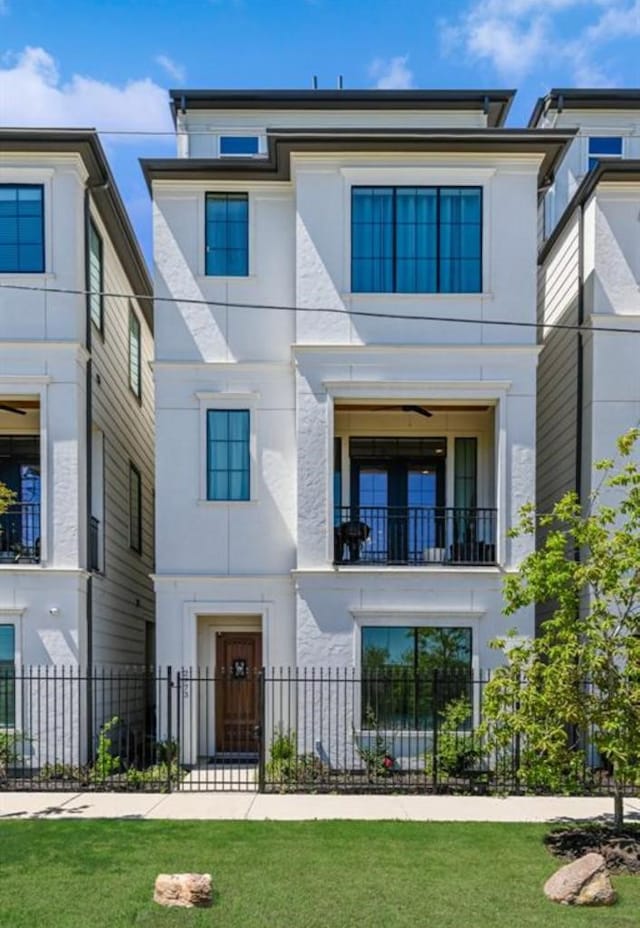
x=414 y=535
x=20 y=533
x=296 y=730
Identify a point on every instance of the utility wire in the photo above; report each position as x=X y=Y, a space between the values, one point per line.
x=348 y=313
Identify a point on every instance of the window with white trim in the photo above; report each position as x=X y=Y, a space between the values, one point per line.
x=7 y=676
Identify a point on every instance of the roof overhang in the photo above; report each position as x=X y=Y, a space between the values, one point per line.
x=494 y=103
x=559 y=99
x=104 y=192
x=618 y=172
x=276 y=166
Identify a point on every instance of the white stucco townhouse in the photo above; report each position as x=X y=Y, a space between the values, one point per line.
x=76 y=428
x=335 y=479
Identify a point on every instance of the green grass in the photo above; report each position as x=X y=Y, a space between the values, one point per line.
x=90 y=874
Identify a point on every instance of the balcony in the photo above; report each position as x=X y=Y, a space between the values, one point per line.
x=20 y=534
x=414 y=535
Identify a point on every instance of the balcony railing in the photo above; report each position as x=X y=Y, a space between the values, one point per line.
x=20 y=533
x=414 y=535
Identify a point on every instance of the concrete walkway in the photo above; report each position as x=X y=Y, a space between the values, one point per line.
x=257 y=807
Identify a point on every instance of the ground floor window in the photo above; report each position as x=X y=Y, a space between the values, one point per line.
x=410 y=673
x=7 y=676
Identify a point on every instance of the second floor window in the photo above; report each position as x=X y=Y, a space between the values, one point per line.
x=227 y=235
x=135 y=380
x=416 y=240
x=96 y=300
x=135 y=508
x=228 y=454
x=21 y=229
x=604 y=148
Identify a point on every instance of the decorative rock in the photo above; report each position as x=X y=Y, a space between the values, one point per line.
x=185 y=890
x=583 y=882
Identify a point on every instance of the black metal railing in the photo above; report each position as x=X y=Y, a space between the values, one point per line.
x=414 y=535
x=390 y=729
x=20 y=533
x=94 y=543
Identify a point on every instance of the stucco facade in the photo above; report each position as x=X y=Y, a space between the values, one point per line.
x=321 y=369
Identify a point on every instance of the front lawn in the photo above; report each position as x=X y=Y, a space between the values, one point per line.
x=100 y=874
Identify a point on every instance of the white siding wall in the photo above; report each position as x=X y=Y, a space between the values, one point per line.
x=122 y=591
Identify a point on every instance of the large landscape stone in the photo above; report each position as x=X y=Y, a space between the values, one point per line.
x=583 y=882
x=185 y=890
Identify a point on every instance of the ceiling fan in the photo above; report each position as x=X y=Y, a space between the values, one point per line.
x=14 y=409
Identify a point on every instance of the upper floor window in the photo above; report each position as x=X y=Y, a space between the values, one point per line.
x=135 y=508
x=228 y=454
x=239 y=145
x=227 y=235
x=135 y=379
x=96 y=277
x=603 y=148
x=7 y=675
x=21 y=228
x=416 y=240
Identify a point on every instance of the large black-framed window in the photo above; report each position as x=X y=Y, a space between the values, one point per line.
x=227 y=234
x=410 y=673
x=135 y=355
x=416 y=239
x=228 y=454
x=7 y=676
x=21 y=229
x=96 y=277
x=135 y=508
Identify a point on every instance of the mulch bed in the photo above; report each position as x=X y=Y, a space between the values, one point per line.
x=620 y=849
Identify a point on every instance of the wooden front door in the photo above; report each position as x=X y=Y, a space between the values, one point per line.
x=238 y=663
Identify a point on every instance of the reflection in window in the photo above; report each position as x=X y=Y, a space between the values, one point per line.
x=408 y=673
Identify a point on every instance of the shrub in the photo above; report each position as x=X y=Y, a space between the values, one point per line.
x=458 y=752
x=377 y=757
x=288 y=768
x=11 y=750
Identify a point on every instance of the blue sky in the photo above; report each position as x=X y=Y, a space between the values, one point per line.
x=108 y=64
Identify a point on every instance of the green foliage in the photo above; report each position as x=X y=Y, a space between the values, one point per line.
x=11 y=750
x=155 y=778
x=579 y=680
x=288 y=768
x=7 y=497
x=64 y=772
x=377 y=757
x=106 y=764
x=458 y=751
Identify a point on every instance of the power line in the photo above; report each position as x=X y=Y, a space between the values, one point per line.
x=347 y=313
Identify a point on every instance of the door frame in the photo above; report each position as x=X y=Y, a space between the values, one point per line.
x=195 y=616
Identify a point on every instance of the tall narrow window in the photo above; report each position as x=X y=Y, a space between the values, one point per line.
x=135 y=509
x=604 y=148
x=7 y=676
x=96 y=277
x=227 y=235
x=228 y=454
x=135 y=380
x=416 y=239
x=465 y=473
x=21 y=229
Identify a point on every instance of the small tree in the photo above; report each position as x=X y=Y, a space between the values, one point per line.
x=577 y=685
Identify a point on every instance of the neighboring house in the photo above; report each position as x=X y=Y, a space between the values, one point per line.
x=334 y=480
x=589 y=276
x=76 y=414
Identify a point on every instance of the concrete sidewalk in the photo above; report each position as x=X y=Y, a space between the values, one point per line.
x=260 y=807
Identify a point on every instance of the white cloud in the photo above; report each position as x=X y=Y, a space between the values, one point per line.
x=518 y=37
x=392 y=73
x=173 y=69
x=33 y=94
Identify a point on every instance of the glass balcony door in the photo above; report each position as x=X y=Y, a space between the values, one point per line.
x=398 y=501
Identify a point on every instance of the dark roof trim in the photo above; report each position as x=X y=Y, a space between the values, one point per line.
x=627 y=171
x=573 y=99
x=495 y=103
x=277 y=165
x=104 y=193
